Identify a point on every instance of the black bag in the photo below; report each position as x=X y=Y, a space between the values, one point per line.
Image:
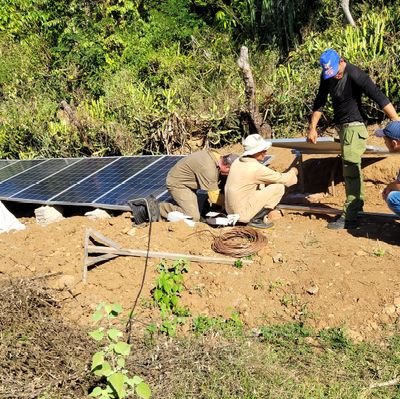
x=145 y=209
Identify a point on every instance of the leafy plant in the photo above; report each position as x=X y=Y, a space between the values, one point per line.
x=166 y=294
x=169 y=285
x=379 y=251
x=109 y=362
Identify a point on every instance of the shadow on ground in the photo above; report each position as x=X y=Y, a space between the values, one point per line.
x=387 y=231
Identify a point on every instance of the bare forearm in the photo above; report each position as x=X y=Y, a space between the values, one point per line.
x=393 y=186
x=391 y=112
x=315 y=117
x=312 y=128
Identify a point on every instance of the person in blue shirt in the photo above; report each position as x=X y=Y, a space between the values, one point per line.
x=391 y=193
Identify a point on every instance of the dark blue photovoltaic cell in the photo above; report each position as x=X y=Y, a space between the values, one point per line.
x=5 y=162
x=164 y=197
x=63 y=179
x=149 y=181
x=18 y=167
x=22 y=181
x=106 y=180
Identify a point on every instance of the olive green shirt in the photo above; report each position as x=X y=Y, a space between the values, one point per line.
x=197 y=171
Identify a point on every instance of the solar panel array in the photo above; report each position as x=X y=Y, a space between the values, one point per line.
x=108 y=182
x=324 y=145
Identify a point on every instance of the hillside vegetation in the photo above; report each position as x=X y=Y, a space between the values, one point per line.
x=117 y=76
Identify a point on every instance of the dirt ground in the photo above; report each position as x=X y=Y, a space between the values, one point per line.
x=305 y=271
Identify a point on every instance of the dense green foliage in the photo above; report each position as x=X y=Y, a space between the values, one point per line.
x=152 y=75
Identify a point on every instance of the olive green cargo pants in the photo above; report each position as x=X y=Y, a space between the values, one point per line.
x=353 y=139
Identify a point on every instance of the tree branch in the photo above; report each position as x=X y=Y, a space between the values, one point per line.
x=346 y=9
x=256 y=122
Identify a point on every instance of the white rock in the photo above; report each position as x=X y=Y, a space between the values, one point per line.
x=313 y=290
x=48 y=214
x=389 y=309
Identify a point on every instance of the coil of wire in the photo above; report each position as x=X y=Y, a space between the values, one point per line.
x=239 y=242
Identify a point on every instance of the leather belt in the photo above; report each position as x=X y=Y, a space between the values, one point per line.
x=344 y=125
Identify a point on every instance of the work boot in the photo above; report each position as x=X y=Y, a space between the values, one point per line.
x=257 y=220
x=342 y=223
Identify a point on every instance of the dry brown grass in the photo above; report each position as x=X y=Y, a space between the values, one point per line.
x=39 y=353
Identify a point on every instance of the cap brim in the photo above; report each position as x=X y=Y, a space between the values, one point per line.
x=380 y=133
x=328 y=76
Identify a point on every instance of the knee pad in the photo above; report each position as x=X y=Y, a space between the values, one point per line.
x=351 y=170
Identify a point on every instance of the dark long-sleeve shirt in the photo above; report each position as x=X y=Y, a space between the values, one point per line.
x=346 y=95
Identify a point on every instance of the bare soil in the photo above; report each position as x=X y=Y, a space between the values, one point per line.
x=305 y=272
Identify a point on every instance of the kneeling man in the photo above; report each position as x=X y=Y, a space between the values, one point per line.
x=201 y=170
x=391 y=193
x=252 y=189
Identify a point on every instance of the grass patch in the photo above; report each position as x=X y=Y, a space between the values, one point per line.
x=218 y=359
x=286 y=361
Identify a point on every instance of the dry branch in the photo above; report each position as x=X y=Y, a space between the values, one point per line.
x=256 y=122
x=395 y=381
x=346 y=9
x=71 y=113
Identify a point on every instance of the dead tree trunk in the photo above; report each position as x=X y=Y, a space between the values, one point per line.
x=75 y=122
x=255 y=119
x=346 y=9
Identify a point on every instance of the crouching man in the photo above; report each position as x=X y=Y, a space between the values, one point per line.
x=391 y=193
x=201 y=170
x=252 y=189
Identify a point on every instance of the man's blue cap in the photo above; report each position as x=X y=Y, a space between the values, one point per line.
x=392 y=130
x=329 y=61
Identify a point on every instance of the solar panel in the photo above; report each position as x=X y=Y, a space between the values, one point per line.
x=32 y=176
x=6 y=162
x=150 y=180
x=324 y=145
x=14 y=169
x=108 y=182
x=47 y=188
x=105 y=180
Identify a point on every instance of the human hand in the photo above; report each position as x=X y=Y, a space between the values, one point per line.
x=295 y=170
x=312 y=135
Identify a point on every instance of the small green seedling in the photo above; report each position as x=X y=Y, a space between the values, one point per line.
x=310 y=239
x=109 y=362
x=166 y=295
x=379 y=252
x=273 y=285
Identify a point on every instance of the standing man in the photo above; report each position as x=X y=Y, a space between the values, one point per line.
x=346 y=83
x=391 y=193
x=252 y=189
x=200 y=170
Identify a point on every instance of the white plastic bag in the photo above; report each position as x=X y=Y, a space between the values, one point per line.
x=176 y=216
x=8 y=221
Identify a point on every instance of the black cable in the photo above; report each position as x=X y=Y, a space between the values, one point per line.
x=129 y=323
